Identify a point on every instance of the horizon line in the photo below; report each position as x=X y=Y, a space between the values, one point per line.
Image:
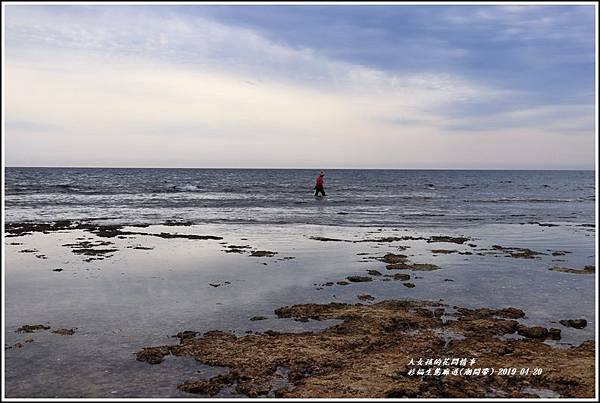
x=309 y=168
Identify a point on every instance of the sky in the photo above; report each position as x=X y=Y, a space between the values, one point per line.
x=309 y=86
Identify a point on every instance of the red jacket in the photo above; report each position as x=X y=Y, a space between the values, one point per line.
x=319 y=181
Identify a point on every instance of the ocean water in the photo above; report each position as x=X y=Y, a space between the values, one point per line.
x=388 y=198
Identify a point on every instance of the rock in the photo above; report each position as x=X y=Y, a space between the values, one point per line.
x=412 y=266
x=438 y=312
x=534 y=332
x=65 y=332
x=522 y=253
x=90 y=251
x=585 y=270
x=393 y=258
x=443 y=251
x=387 y=239
x=262 y=253
x=32 y=328
x=442 y=238
x=325 y=239
x=409 y=285
x=365 y=297
x=359 y=279
x=182 y=236
x=372 y=336
x=554 y=333
x=174 y=223
x=411 y=391
x=186 y=335
x=374 y=272
x=153 y=355
x=401 y=277
x=504 y=350
x=512 y=313
x=57 y=270
x=18 y=229
x=575 y=323
x=342 y=282
x=210 y=387
x=236 y=248
x=255 y=318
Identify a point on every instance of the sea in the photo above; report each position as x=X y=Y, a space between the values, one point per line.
x=384 y=198
x=146 y=287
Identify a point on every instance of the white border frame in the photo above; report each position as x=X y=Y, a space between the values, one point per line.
x=257 y=3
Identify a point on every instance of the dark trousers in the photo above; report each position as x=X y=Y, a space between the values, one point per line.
x=319 y=189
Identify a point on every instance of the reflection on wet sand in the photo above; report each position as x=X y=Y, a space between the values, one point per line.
x=236 y=297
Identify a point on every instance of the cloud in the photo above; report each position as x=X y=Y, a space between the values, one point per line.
x=151 y=86
x=197 y=41
x=18 y=126
x=560 y=119
x=528 y=22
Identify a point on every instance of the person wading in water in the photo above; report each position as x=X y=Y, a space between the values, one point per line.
x=319 y=185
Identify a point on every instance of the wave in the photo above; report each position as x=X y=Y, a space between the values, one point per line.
x=522 y=200
x=47 y=188
x=186 y=188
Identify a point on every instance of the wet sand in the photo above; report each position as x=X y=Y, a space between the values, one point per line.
x=103 y=302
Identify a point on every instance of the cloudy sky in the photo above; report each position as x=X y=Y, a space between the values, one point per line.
x=401 y=86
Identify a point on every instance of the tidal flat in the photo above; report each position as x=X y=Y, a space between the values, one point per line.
x=186 y=310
